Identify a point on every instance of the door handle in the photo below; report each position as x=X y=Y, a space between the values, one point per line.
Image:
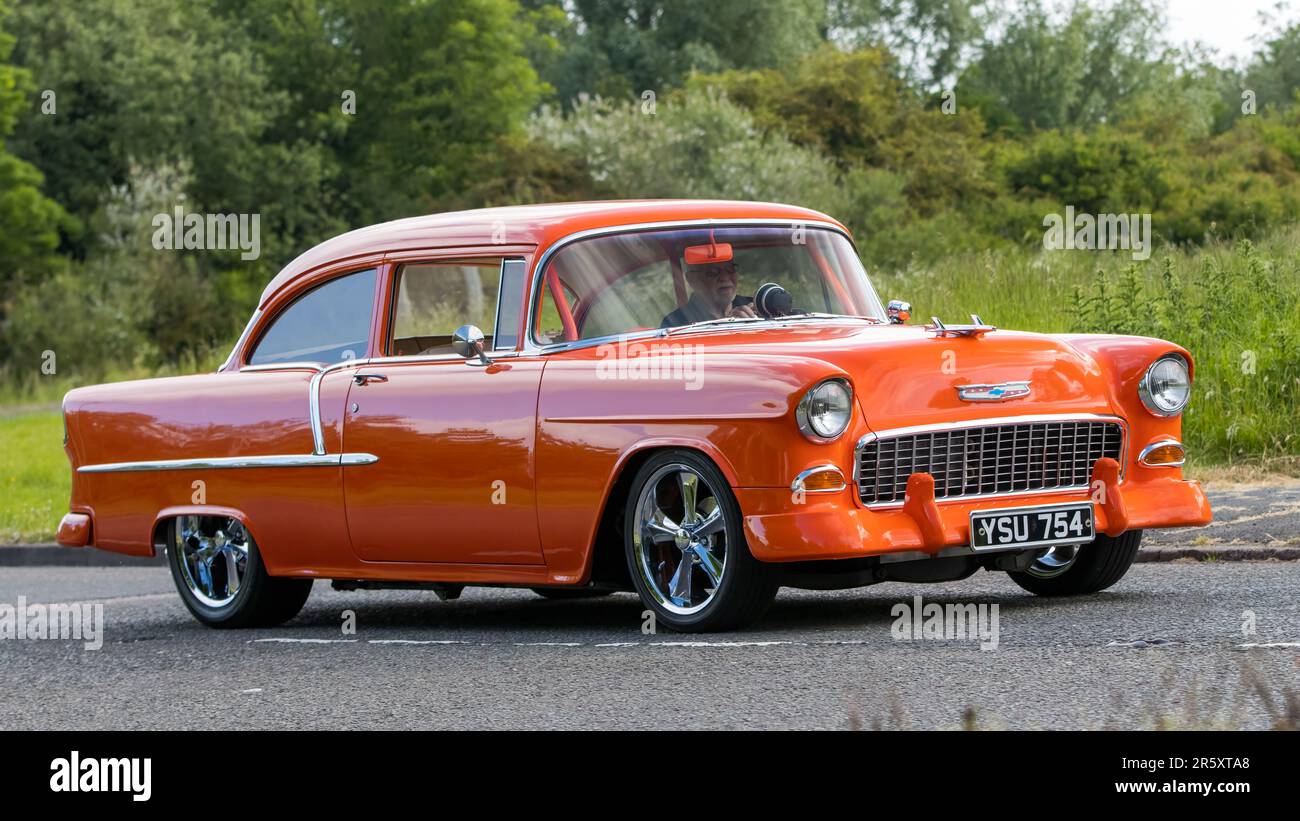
x=363 y=378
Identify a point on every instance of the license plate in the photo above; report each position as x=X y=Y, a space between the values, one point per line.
x=1031 y=526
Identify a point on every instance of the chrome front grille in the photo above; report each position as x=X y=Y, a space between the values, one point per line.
x=1018 y=457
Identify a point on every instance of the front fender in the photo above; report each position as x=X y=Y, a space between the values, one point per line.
x=1125 y=359
x=592 y=418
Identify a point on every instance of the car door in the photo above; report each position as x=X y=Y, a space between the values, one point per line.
x=455 y=480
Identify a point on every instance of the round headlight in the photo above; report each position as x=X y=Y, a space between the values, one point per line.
x=824 y=412
x=1166 y=386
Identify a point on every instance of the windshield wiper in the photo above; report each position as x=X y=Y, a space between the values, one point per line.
x=815 y=315
x=721 y=320
x=724 y=320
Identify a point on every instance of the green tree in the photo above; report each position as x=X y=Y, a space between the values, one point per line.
x=1075 y=70
x=154 y=82
x=29 y=221
x=623 y=48
x=1274 y=73
x=855 y=108
x=433 y=88
x=699 y=144
x=928 y=37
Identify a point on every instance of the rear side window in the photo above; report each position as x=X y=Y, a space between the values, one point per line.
x=328 y=324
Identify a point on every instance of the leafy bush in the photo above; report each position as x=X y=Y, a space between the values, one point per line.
x=695 y=144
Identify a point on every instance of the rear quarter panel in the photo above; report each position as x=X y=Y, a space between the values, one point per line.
x=288 y=510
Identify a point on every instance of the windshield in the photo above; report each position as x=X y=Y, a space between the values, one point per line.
x=638 y=281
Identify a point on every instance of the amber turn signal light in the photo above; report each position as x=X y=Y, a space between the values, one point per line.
x=1167 y=454
x=823 y=479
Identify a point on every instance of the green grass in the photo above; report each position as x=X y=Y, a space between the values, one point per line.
x=35 y=479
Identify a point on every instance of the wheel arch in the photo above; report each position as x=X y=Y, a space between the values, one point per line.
x=158 y=533
x=605 y=559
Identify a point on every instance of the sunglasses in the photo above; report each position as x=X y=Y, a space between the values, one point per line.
x=715 y=271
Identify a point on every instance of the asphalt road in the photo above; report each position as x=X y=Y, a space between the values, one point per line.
x=509 y=659
x=1255 y=515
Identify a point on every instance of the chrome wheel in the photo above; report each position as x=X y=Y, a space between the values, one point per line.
x=1054 y=561
x=680 y=539
x=213 y=556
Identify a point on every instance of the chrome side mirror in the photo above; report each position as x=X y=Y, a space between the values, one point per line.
x=899 y=311
x=467 y=340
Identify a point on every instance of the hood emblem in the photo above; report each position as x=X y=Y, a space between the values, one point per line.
x=998 y=392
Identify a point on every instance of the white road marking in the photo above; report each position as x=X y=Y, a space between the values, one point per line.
x=721 y=643
x=302 y=641
x=1295 y=644
x=677 y=644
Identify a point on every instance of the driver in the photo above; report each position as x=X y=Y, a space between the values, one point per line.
x=713 y=295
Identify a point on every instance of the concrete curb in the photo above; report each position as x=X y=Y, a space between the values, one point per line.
x=52 y=555
x=55 y=556
x=1219 y=554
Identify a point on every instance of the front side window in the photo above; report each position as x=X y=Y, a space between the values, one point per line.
x=328 y=324
x=434 y=299
x=667 y=278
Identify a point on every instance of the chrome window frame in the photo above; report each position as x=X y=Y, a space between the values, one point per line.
x=988 y=421
x=530 y=345
x=501 y=290
x=243 y=338
x=258 y=313
x=391 y=307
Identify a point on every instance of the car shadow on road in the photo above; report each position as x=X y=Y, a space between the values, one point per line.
x=621 y=616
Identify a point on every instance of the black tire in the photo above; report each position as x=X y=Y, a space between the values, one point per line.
x=747 y=585
x=262 y=600
x=1098 y=565
x=566 y=594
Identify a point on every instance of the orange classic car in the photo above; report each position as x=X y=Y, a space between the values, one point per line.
x=700 y=401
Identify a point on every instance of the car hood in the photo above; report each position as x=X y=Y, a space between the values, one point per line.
x=906 y=375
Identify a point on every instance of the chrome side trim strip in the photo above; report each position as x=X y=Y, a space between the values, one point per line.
x=224 y=462
x=797 y=486
x=313 y=389
x=313 y=403
x=346 y=459
x=282 y=366
x=313 y=399
x=1142 y=457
